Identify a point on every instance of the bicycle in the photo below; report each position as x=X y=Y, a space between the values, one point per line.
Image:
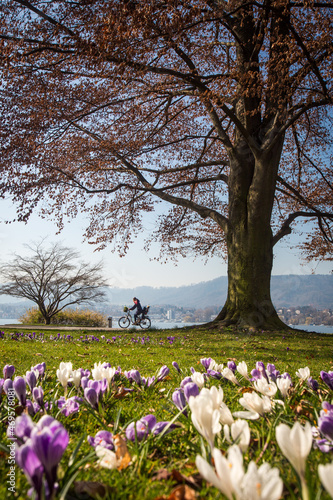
x=144 y=322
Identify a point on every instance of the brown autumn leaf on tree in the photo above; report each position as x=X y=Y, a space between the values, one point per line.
x=213 y=117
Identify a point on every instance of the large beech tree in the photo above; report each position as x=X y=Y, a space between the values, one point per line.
x=220 y=109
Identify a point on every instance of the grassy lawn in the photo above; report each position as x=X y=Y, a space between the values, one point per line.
x=163 y=466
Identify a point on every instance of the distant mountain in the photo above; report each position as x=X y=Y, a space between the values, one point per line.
x=287 y=291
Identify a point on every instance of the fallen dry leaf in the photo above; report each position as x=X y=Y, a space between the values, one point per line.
x=93 y=489
x=122 y=453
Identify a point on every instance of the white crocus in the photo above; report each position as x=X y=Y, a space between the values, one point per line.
x=198 y=378
x=97 y=371
x=256 y=406
x=283 y=385
x=107 y=458
x=326 y=477
x=108 y=373
x=238 y=433
x=215 y=366
x=242 y=370
x=295 y=444
x=229 y=375
x=303 y=373
x=228 y=471
x=64 y=373
x=217 y=395
x=76 y=377
x=263 y=483
x=265 y=388
x=205 y=416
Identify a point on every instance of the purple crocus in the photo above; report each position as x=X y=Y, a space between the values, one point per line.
x=91 y=396
x=31 y=380
x=39 y=449
x=186 y=380
x=164 y=372
x=133 y=376
x=206 y=362
x=49 y=444
x=7 y=385
x=232 y=366
x=176 y=366
x=163 y=427
x=327 y=378
x=191 y=389
x=2 y=381
x=20 y=389
x=69 y=406
x=102 y=438
x=273 y=373
x=8 y=371
x=41 y=367
x=139 y=430
x=27 y=459
x=214 y=374
x=179 y=400
x=313 y=384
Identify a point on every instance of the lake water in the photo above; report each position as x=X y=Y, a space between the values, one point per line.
x=167 y=325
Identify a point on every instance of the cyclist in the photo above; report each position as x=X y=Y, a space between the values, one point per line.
x=138 y=308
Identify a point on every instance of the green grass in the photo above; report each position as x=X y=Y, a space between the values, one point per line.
x=151 y=474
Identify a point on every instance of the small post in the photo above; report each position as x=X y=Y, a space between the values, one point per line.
x=110 y=322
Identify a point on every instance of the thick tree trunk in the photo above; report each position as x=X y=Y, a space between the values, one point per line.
x=250 y=242
x=249 y=303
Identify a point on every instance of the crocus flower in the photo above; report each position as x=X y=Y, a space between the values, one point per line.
x=102 y=438
x=198 y=378
x=229 y=375
x=230 y=478
x=64 y=373
x=327 y=378
x=185 y=381
x=7 y=385
x=242 y=370
x=313 y=384
x=176 y=366
x=267 y=388
x=40 y=448
x=206 y=362
x=20 y=389
x=191 y=389
x=238 y=433
x=255 y=405
x=303 y=373
x=107 y=458
x=283 y=385
x=164 y=372
x=133 y=376
x=179 y=400
x=139 y=430
x=69 y=406
x=28 y=461
x=295 y=444
x=8 y=371
x=325 y=473
x=38 y=395
x=205 y=416
x=91 y=396
x=76 y=378
x=273 y=373
x=31 y=379
x=40 y=367
x=232 y=366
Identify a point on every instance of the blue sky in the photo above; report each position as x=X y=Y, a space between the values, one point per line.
x=136 y=269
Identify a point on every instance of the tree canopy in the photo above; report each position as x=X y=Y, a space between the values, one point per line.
x=53 y=278
x=221 y=109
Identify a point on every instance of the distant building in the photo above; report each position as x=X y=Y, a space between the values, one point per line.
x=170 y=314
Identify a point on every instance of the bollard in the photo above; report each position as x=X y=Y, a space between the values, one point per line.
x=110 y=321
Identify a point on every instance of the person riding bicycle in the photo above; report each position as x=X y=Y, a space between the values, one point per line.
x=138 y=308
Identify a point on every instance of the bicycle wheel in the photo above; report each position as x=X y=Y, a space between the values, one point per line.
x=123 y=322
x=145 y=323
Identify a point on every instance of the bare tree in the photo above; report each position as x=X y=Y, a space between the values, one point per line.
x=53 y=278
